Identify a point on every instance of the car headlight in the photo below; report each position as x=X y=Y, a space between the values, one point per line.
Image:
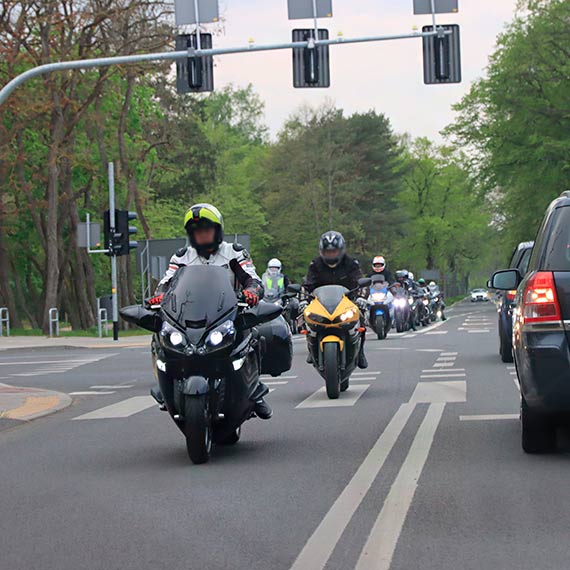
x=221 y=335
x=378 y=297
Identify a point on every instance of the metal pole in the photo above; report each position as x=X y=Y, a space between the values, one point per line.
x=113 y=256
x=433 y=14
x=315 y=22
x=197 y=18
x=8 y=89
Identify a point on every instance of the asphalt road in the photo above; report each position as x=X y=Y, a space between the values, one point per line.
x=417 y=466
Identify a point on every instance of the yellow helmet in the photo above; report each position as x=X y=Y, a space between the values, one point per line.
x=204 y=216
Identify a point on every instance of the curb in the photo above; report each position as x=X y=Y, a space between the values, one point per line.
x=26 y=404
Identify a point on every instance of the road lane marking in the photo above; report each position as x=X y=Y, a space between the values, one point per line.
x=381 y=543
x=319 y=399
x=515 y=380
x=113 y=387
x=320 y=546
x=437 y=392
x=436 y=332
x=122 y=409
x=365 y=373
x=435 y=370
x=90 y=393
x=277 y=383
x=428 y=376
x=446 y=358
x=76 y=362
x=280 y=377
x=478 y=331
x=428 y=350
x=411 y=335
x=444 y=364
x=488 y=417
x=449 y=354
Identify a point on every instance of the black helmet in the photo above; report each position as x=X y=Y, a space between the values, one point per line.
x=328 y=244
x=204 y=216
x=402 y=274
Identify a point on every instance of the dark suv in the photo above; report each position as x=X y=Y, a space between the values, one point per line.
x=541 y=329
x=505 y=305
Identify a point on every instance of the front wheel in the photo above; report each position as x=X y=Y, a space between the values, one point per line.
x=380 y=328
x=198 y=429
x=332 y=372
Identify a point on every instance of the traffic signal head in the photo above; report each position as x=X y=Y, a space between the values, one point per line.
x=118 y=241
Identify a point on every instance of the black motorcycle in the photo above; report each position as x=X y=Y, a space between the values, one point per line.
x=403 y=310
x=208 y=355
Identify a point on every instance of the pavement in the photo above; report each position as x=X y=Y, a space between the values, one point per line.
x=41 y=342
x=418 y=465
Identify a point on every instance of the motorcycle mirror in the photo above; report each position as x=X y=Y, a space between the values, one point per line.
x=144 y=318
x=294 y=288
x=364 y=282
x=263 y=313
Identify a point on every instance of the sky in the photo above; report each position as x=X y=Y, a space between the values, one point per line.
x=385 y=76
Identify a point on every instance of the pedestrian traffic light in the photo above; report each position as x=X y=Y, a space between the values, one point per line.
x=194 y=74
x=311 y=66
x=442 y=56
x=118 y=241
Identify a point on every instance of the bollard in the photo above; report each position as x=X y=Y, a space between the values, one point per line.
x=53 y=320
x=102 y=320
x=4 y=320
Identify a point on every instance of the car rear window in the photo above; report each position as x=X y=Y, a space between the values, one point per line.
x=523 y=264
x=557 y=246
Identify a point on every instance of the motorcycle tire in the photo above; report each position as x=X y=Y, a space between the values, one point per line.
x=332 y=372
x=399 y=326
x=198 y=429
x=380 y=328
x=344 y=385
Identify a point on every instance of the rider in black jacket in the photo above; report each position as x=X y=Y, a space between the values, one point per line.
x=334 y=267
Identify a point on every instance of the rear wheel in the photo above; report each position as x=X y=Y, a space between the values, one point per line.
x=198 y=429
x=332 y=372
x=505 y=348
x=380 y=328
x=538 y=434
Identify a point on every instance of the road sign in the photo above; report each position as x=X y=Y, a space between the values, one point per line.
x=185 y=14
x=442 y=56
x=194 y=74
x=301 y=9
x=94 y=235
x=311 y=66
x=441 y=6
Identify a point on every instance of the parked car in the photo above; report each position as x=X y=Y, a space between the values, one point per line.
x=506 y=301
x=479 y=295
x=541 y=329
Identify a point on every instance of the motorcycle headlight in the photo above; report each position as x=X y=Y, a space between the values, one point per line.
x=176 y=338
x=318 y=319
x=221 y=335
x=426 y=302
x=410 y=301
x=378 y=297
x=173 y=337
x=400 y=302
x=347 y=315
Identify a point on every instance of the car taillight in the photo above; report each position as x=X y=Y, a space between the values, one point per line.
x=511 y=295
x=540 y=302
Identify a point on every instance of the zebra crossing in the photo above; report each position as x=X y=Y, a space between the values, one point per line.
x=31 y=368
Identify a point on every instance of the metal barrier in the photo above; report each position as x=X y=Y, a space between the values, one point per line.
x=4 y=320
x=102 y=322
x=53 y=320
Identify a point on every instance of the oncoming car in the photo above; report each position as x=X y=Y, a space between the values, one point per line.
x=479 y=295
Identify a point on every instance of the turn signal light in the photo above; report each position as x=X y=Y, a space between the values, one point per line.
x=540 y=302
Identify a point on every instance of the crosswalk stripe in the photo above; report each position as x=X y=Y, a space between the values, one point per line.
x=90 y=393
x=122 y=409
x=319 y=398
x=366 y=373
x=111 y=387
x=436 y=332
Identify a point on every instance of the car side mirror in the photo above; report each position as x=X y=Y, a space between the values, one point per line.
x=364 y=282
x=144 y=318
x=489 y=284
x=506 y=280
x=294 y=288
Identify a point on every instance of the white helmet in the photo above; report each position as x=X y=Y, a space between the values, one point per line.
x=432 y=284
x=378 y=260
x=411 y=275
x=274 y=264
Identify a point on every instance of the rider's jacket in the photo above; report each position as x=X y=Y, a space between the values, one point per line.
x=232 y=256
x=346 y=273
x=274 y=285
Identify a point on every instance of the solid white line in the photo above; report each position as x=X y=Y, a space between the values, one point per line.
x=365 y=373
x=29 y=362
x=320 y=546
x=122 y=409
x=449 y=353
x=89 y=393
x=410 y=335
x=488 y=417
x=427 y=376
x=516 y=383
x=319 y=398
x=117 y=387
x=381 y=544
x=436 y=332
x=427 y=349
x=363 y=378
x=280 y=377
x=446 y=370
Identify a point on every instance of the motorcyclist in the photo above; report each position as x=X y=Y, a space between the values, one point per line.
x=204 y=227
x=275 y=283
x=434 y=289
x=380 y=268
x=334 y=267
x=404 y=281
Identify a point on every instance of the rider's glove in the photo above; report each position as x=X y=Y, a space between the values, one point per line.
x=361 y=303
x=156 y=300
x=251 y=297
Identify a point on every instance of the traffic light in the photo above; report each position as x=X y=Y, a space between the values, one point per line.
x=194 y=74
x=442 y=56
x=118 y=242
x=311 y=67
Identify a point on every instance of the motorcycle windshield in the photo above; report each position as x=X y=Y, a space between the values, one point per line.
x=199 y=296
x=330 y=296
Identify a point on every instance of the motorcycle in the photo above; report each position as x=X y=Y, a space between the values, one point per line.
x=381 y=312
x=334 y=334
x=424 y=309
x=403 y=308
x=208 y=356
x=437 y=306
x=290 y=305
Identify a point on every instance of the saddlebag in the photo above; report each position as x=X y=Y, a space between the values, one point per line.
x=278 y=354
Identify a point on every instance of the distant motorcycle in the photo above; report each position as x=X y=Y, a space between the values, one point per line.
x=290 y=305
x=402 y=308
x=208 y=355
x=381 y=311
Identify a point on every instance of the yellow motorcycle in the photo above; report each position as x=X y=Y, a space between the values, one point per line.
x=334 y=335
